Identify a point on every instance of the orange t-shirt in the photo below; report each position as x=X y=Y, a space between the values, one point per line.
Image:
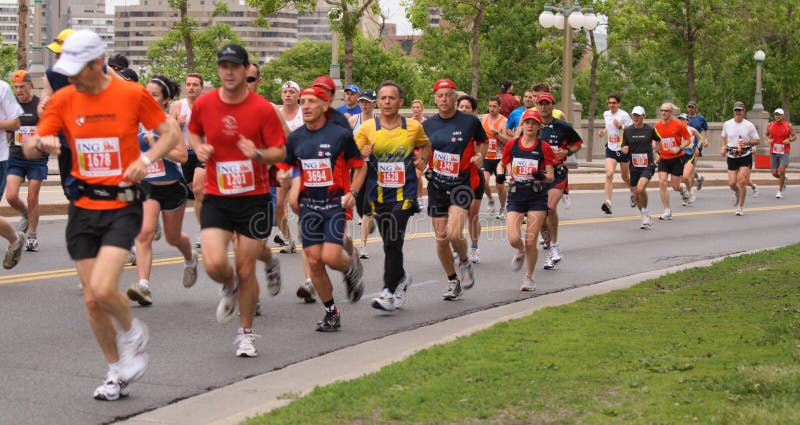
x=493 y=152
x=102 y=131
x=672 y=134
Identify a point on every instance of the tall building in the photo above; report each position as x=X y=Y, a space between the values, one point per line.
x=139 y=26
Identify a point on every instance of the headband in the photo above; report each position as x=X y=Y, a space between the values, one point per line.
x=162 y=84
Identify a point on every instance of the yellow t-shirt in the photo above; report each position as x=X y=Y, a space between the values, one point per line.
x=390 y=169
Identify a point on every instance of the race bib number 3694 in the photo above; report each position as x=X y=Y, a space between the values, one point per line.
x=99 y=157
x=317 y=172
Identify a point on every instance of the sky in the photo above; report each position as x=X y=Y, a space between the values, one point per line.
x=395 y=12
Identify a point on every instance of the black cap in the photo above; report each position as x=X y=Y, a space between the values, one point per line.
x=368 y=95
x=128 y=75
x=233 y=53
x=118 y=60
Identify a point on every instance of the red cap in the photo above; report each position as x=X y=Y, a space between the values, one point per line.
x=530 y=114
x=444 y=83
x=546 y=96
x=316 y=91
x=325 y=82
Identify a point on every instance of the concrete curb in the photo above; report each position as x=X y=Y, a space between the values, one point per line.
x=233 y=404
x=61 y=207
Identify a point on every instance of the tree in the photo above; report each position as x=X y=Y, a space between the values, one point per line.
x=308 y=60
x=22 y=35
x=461 y=15
x=8 y=55
x=344 y=17
x=185 y=26
x=168 y=55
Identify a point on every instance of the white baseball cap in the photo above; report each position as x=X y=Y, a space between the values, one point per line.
x=80 y=48
x=779 y=111
x=638 y=110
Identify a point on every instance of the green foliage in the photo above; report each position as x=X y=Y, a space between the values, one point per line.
x=8 y=59
x=372 y=64
x=168 y=55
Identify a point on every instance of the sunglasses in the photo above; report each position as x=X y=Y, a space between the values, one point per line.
x=544 y=102
x=738 y=110
x=251 y=79
x=666 y=110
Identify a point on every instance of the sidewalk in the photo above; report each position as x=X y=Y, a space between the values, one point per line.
x=234 y=403
x=587 y=176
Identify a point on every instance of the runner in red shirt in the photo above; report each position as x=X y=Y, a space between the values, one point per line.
x=243 y=138
x=779 y=134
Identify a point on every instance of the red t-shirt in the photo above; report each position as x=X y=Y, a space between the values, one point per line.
x=102 y=130
x=507 y=103
x=779 y=133
x=672 y=134
x=229 y=172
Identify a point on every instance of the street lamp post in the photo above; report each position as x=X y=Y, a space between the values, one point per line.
x=759 y=56
x=568 y=17
x=334 y=17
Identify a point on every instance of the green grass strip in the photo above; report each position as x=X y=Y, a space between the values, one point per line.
x=719 y=344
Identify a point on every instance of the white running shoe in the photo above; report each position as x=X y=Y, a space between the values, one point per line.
x=755 y=191
x=288 y=247
x=735 y=199
x=140 y=292
x=502 y=214
x=273 y=277
x=739 y=211
x=667 y=215
x=492 y=210
x=132 y=346
x=528 y=284
x=555 y=253
x=24 y=223
x=132 y=257
x=567 y=201
x=606 y=206
x=226 y=308
x=647 y=222
x=244 y=343
x=779 y=195
x=157 y=234
x=453 y=290
x=549 y=264
x=692 y=196
x=113 y=387
x=474 y=255
x=517 y=261
x=401 y=292
x=385 y=301
x=190 y=271
x=467 y=274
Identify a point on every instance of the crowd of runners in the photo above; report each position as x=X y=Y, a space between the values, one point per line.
x=131 y=155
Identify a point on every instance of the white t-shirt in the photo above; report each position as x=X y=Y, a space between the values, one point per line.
x=186 y=110
x=732 y=131
x=296 y=122
x=614 y=134
x=9 y=110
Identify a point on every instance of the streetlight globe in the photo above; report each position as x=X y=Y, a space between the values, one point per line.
x=576 y=19
x=547 y=19
x=559 y=21
x=590 y=21
x=760 y=56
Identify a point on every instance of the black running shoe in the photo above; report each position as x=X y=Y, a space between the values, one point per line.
x=331 y=322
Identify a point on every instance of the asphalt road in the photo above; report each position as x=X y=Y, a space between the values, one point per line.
x=50 y=363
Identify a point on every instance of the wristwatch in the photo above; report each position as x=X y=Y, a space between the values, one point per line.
x=354 y=193
x=259 y=154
